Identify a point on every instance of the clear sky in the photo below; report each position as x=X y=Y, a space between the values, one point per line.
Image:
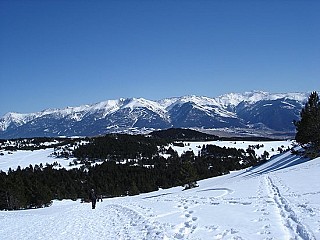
x=55 y=54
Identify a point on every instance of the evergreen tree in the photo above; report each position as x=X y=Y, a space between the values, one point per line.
x=133 y=190
x=308 y=127
x=189 y=173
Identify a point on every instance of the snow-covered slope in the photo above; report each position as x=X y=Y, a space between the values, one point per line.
x=249 y=110
x=277 y=200
x=233 y=99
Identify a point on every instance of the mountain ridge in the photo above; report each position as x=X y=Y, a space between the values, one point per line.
x=253 y=110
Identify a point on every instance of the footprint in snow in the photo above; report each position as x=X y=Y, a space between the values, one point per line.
x=211 y=228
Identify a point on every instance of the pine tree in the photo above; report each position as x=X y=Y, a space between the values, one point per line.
x=189 y=174
x=308 y=127
x=134 y=190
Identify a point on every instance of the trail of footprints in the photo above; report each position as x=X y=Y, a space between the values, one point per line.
x=189 y=225
x=190 y=221
x=261 y=207
x=291 y=220
x=269 y=196
x=131 y=221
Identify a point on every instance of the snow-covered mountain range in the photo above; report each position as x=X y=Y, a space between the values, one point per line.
x=251 y=110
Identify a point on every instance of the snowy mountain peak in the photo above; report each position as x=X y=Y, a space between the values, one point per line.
x=233 y=99
x=193 y=99
x=14 y=118
x=139 y=102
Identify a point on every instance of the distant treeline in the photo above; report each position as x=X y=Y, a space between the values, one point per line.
x=33 y=143
x=131 y=164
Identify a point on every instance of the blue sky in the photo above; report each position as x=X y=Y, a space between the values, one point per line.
x=59 y=53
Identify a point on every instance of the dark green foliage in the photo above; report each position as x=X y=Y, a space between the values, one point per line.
x=308 y=127
x=189 y=172
x=34 y=143
x=119 y=147
x=179 y=134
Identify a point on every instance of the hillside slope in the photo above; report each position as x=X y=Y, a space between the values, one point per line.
x=277 y=200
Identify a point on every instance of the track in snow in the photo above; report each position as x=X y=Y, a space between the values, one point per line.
x=81 y=222
x=294 y=227
x=126 y=222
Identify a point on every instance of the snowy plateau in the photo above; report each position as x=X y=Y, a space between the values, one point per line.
x=279 y=199
x=252 y=113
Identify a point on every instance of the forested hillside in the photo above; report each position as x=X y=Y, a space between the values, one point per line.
x=115 y=165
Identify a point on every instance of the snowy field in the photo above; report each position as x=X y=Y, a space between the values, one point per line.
x=270 y=146
x=23 y=158
x=277 y=200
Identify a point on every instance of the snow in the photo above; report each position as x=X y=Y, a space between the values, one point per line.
x=221 y=208
x=270 y=146
x=233 y=99
x=276 y=200
x=144 y=103
x=17 y=118
x=23 y=158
